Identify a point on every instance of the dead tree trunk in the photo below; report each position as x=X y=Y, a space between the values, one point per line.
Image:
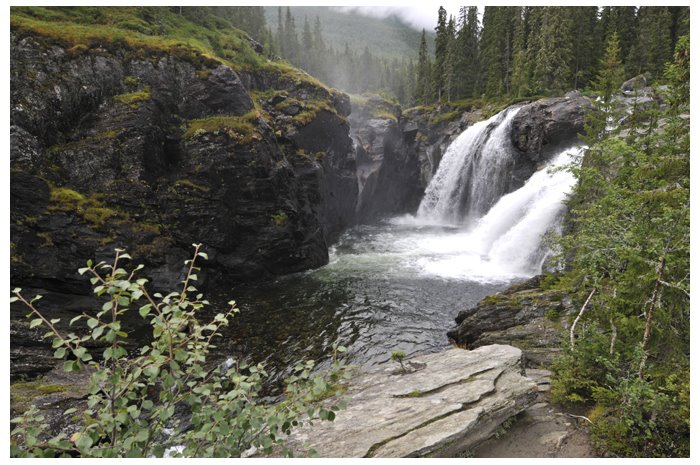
x=650 y=313
x=583 y=309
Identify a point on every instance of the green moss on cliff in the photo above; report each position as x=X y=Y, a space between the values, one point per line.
x=243 y=129
x=134 y=98
x=89 y=209
x=142 y=29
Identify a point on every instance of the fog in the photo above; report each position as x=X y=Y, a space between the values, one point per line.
x=418 y=16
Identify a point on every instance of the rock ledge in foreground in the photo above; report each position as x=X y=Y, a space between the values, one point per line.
x=457 y=400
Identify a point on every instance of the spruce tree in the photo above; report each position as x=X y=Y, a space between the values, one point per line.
x=497 y=49
x=522 y=69
x=551 y=73
x=451 y=60
x=586 y=46
x=441 y=44
x=468 y=52
x=308 y=59
x=652 y=49
x=423 y=77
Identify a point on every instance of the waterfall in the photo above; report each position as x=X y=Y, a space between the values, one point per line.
x=511 y=233
x=508 y=240
x=473 y=173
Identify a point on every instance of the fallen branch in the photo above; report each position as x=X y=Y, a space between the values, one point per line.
x=583 y=309
x=579 y=416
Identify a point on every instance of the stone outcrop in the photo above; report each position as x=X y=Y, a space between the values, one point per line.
x=543 y=126
x=448 y=405
x=524 y=315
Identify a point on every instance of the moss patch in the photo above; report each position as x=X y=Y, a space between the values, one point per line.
x=90 y=209
x=242 y=129
x=23 y=394
x=279 y=218
x=133 y=99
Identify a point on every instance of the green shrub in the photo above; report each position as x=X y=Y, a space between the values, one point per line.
x=133 y=400
x=399 y=356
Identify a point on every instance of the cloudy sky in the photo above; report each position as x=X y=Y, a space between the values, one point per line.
x=423 y=15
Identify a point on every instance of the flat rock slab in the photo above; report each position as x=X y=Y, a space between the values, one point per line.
x=452 y=402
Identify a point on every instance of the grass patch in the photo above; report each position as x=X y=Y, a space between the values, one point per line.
x=145 y=30
x=243 y=129
x=133 y=99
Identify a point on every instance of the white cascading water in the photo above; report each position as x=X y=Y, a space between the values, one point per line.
x=472 y=174
x=507 y=242
x=499 y=236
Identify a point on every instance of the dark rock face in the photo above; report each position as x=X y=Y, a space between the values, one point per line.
x=524 y=316
x=388 y=165
x=545 y=125
x=152 y=153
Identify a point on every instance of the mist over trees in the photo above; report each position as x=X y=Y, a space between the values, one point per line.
x=513 y=52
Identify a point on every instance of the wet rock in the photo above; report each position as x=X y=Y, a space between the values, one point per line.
x=152 y=152
x=546 y=125
x=458 y=400
x=388 y=165
x=53 y=394
x=524 y=316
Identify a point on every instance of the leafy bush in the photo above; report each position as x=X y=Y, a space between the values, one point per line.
x=168 y=399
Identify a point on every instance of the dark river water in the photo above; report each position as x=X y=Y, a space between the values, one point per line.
x=393 y=286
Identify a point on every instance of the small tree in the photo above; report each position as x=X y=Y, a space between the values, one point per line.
x=132 y=403
x=398 y=357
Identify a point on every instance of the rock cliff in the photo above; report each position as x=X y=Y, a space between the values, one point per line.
x=151 y=150
x=399 y=152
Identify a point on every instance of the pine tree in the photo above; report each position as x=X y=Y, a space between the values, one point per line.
x=551 y=73
x=468 y=52
x=441 y=44
x=423 y=77
x=522 y=69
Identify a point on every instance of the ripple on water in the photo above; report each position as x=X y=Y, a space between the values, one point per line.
x=386 y=288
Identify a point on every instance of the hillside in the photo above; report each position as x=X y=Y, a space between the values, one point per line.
x=387 y=38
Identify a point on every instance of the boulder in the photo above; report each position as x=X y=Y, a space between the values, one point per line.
x=637 y=83
x=546 y=125
x=448 y=405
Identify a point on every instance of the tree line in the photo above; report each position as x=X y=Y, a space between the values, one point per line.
x=516 y=51
x=533 y=50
